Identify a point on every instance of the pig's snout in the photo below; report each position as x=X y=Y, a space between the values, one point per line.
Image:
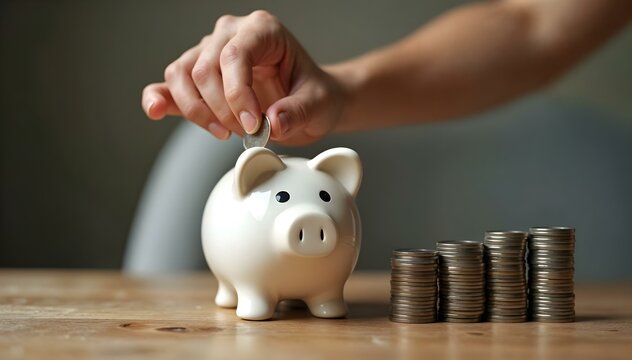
x=305 y=230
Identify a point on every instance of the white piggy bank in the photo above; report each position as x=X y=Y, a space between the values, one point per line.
x=277 y=228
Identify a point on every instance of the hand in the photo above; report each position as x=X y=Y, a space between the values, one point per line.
x=248 y=65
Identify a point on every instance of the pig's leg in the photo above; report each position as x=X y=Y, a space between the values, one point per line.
x=226 y=295
x=255 y=303
x=327 y=304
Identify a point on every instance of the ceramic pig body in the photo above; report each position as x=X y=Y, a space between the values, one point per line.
x=277 y=228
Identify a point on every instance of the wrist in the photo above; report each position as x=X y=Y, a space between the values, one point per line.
x=349 y=79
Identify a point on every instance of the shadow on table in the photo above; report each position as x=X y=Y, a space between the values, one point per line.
x=296 y=309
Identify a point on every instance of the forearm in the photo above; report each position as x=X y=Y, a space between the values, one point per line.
x=472 y=58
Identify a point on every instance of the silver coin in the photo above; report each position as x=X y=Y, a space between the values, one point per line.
x=413 y=273
x=413 y=309
x=428 y=311
x=415 y=252
x=505 y=233
x=414 y=269
x=472 y=267
x=409 y=320
x=550 y=302
x=497 y=306
x=412 y=298
x=413 y=305
x=503 y=319
x=551 y=253
x=552 y=282
x=552 y=230
x=508 y=312
x=422 y=262
x=261 y=137
x=413 y=280
x=541 y=274
x=413 y=289
x=507 y=292
x=506 y=268
x=507 y=295
x=417 y=313
x=414 y=295
x=463 y=319
x=424 y=316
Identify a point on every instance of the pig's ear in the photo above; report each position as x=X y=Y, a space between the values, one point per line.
x=341 y=163
x=253 y=166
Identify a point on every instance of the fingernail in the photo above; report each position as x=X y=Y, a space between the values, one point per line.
x=218 y=131
x=248 y=122
x=284 y=122
x=149 y=106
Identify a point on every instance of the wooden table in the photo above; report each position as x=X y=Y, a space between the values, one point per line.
x=104 y=314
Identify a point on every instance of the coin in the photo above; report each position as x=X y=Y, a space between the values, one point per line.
x=461 y=280
x=506 y=275
x=412 y=319
x=551 y=272
x=261 y=137
x=414 y=286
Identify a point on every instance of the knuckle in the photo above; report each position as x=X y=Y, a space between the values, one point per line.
x=262 y=22
x=200 y=73
x=232 y=94
x=224 y=21
x=226 y=118
x=205 y=39
x=262 y=15
x=229 y=54
x=194 y=111
x=171 y=70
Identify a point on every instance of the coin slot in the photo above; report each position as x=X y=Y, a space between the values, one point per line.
x=300 y=235
x=322 y=235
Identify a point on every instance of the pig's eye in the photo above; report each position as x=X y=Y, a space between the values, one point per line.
x=324 y=196
x=282 y=196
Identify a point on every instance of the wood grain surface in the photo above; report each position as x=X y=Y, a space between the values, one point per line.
x=105 y=314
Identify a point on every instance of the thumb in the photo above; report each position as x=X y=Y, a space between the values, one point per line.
x=296 y=113
x=287 y=116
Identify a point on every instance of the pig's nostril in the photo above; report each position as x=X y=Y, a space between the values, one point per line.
x=300 y=235
x=322 y=235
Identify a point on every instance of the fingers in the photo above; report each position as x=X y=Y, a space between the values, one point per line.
x=208 y=79
x=157 y=101
x=287 y=117
x=258 y=42
x=186 y=96
x=302 y=113
x=216 y=83
x=236 y=69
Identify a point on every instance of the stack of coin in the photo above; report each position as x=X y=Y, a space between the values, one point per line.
x=506 y=276
x=414 y=286
x=461 y=281
x=551 y=270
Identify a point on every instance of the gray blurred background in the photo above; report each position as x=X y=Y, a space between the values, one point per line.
x=76 y=148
